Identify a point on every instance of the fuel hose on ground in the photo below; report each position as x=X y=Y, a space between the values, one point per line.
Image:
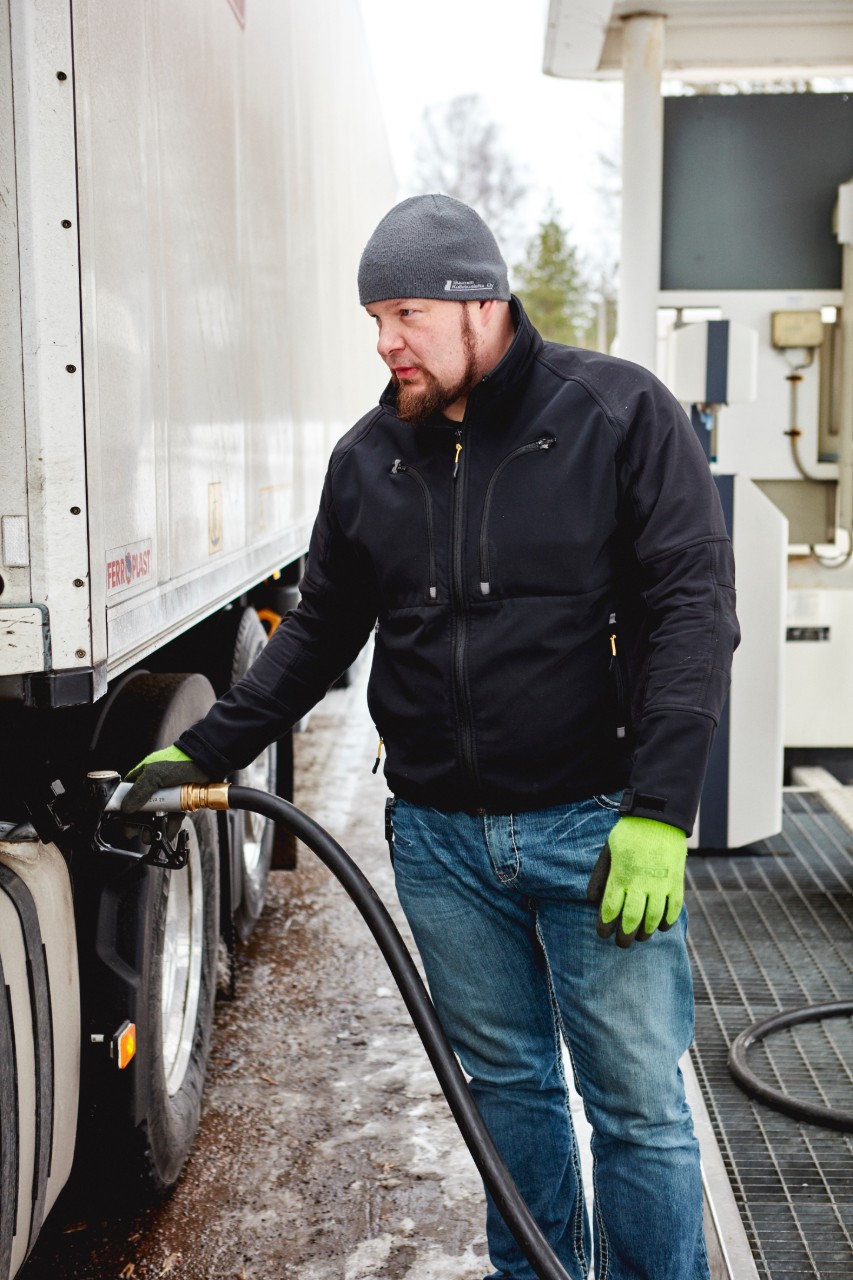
x=755 y=1087
x=493 y=1171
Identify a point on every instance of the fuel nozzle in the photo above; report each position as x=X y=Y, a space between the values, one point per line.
x=184 y=799
x=164 y=846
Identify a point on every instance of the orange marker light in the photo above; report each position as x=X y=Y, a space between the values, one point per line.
x=124 y=1045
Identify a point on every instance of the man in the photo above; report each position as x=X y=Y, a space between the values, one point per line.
x=536 y=531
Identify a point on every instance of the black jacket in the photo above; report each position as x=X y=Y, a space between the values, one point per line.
x=554 y=611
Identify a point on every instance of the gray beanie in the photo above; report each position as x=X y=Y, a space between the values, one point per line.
x=432 y=247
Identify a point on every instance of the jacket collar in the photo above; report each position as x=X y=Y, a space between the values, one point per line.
x=501 y=379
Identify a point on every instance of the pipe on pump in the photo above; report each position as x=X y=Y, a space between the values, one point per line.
x=845 y=452
x=493 y=1171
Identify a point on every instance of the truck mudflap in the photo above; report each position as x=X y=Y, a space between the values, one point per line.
x=39 y=1041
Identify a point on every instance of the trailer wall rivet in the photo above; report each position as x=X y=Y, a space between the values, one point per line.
x=60 y=75
x=71 y=368
x=66 y=223
x=75 y=511
x=78 y=582
x=79 y=653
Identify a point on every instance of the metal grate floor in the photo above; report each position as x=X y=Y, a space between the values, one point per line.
x=769 y=930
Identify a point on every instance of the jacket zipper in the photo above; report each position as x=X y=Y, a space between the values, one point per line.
x=544 y=443
x=616 y=672
x=460 y=620
x=400 y=468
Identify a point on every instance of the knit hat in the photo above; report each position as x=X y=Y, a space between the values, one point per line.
x=432 y=247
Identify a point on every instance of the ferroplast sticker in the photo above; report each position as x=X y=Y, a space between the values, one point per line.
x=127 y=566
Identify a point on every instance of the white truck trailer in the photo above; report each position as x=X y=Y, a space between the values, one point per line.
x=185 y=187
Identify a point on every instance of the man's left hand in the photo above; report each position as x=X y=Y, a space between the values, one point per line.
x=638 y=880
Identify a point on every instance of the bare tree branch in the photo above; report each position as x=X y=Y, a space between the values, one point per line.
x=459 y=152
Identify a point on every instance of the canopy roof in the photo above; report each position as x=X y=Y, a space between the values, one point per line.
x=706 y=39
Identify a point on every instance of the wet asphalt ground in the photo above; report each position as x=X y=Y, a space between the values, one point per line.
x=326 y=1150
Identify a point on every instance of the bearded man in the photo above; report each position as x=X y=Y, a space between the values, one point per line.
x=533 y=531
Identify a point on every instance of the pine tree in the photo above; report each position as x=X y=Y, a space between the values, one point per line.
x=552 y=285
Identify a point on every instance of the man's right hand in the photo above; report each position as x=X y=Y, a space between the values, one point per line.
x=169 y=767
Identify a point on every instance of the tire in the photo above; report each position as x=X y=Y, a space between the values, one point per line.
x=39 y=1041
x=180 y=995
x=251 y=837
x=224 y=646
x=155 y=955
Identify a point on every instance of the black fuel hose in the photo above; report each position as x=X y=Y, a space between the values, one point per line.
x=828 y=1117
x=493 y=1171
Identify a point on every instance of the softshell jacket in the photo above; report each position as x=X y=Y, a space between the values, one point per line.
x=551 y=586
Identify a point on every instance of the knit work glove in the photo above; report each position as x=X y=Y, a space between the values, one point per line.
x=169 y=767
x=638 y=881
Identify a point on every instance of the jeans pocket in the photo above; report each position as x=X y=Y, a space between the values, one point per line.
x=611 y=801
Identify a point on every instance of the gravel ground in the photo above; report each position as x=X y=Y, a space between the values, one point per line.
x=326 y=1151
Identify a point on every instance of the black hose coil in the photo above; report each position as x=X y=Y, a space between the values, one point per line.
x=752 y=1084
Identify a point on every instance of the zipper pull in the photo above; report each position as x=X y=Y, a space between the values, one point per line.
x=398 y=466
x=458 y=434
x=375 y=768
x=613 y=644
x=547 y=442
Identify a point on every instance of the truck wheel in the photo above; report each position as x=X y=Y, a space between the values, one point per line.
x=184 y=929
x=156 y=936
x=225 y=646
x=251 y=836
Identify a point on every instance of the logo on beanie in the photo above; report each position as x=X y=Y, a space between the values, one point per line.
x=466 y=284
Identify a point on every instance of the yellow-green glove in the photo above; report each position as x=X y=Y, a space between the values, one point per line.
x=638 y=880
x=169 y=767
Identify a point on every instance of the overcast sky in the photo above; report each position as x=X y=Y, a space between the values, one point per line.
x=556 y=130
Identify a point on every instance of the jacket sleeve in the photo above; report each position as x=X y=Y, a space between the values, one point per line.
x=309 y=650
x=684 y=557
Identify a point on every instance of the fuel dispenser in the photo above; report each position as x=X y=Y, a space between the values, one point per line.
x=713 y=364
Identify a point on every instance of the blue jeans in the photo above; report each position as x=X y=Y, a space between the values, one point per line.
x=498 y=909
